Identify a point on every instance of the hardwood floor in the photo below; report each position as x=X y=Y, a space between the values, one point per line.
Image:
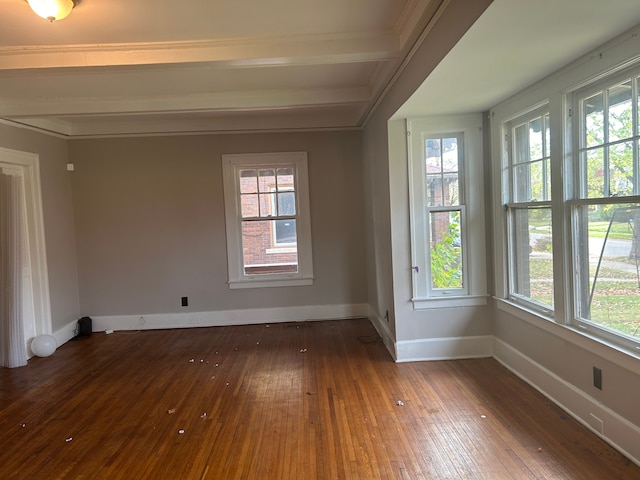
x=286 y=401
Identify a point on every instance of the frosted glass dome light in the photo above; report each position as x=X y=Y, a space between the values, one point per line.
x=52 y=10
x=44 y=345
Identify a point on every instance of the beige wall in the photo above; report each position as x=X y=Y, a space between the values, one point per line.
x=150 y=222
x=57 y=206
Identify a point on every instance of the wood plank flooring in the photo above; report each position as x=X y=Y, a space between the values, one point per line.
x=320 y=400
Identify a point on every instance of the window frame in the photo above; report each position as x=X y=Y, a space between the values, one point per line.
x=231 y=165
x=514 y=205
x=581 y=198
x=468 y=128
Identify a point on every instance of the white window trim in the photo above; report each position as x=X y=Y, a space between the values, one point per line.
x=472 y=211
x=511 y=204
x=233 y=220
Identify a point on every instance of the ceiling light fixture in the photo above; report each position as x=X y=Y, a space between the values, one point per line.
x=52 y=10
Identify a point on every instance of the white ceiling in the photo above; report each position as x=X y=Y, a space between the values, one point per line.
x=514 y=44
x=158 y=66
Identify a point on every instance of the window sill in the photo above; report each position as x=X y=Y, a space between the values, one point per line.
x=268 y=283
x=449 y=302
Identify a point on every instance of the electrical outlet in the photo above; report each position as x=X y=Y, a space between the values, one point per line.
x=185 y=301
x=597 y=378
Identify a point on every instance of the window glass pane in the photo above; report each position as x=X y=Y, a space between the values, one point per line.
x=286 y=203
x=446 y=251
x=595 y=173
x=267 y=208
x=451 y=188
x=547 y=129
x=522 y=180
x=531 y=178
x=249 y=205
x=535 y=139
x=434 y=191
x=285 y=179
x=266 y=180
x=593 y=110
x=620 y=112
x=258 y=240
x=442 y=166
x=248 y=181
x=285 y=231
x=521 y=142
x=450 y=155
x=532 y=261
x=621 y=169
x=547 y=179
x=608 y=266
x=538 y=185
x=433 y=155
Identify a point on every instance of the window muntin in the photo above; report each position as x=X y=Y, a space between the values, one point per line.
x=267 y=217
x=530 y=253
x=606 y=213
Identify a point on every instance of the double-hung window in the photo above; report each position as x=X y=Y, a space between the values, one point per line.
x=447 y=223
x=530 y=255
x=593 y=217
x=267 y=219
x=605 y=209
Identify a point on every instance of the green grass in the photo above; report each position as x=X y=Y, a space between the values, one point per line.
x=616 y=299
x=619 y=230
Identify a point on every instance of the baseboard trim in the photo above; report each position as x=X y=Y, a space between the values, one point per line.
x=384 y=331
x=228 y=317
x=614 y=429
x=66 y=333
x=449 y=348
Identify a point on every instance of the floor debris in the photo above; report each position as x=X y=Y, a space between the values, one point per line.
x=400 y=403
x=171 y=411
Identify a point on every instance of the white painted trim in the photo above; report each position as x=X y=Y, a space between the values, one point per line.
x=302 y=49
x=66 y=333
x=231 y=165
x=614 y=429
x=449 y=348
x=228 y=317
x=382 y=327
x=450 y=302
x=611 y=352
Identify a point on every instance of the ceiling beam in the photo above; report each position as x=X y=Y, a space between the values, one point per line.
x=247 y=52
x=226 y=101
